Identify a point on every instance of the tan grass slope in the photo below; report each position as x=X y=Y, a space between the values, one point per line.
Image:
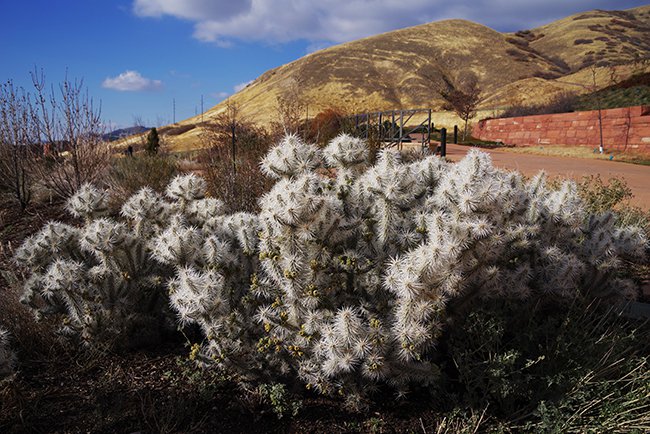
x=402 y=69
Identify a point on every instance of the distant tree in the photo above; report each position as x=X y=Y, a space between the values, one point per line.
x=292 y=110
x=153 y=142
x=462 y=98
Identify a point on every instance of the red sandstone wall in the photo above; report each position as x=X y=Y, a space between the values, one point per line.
x=623 y=129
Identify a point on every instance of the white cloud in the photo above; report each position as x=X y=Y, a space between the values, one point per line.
x=241 y=86
x=335 y=21
x=131 y=81
x=191 y=9
x=220 y=95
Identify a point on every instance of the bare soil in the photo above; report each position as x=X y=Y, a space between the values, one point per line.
x=636 y=176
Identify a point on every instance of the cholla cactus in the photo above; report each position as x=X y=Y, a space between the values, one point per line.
x=88 y=202
x=292 y=158
x=346 y=281
x=214 y=260
x=7 y=356
x=362 y=272
x=99 y=279
x=355 y=276
x=186 y=188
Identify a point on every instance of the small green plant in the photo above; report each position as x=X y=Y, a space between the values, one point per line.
x=561 y=369
x=374 y=425
x=277 y=396
x=600 y=197
x=205 y=383
x=613 y=196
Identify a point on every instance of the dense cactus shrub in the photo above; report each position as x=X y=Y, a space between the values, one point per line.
x=110 y=280
x=359 y=273
x=98 y=279
x=348 y=276
x=7 y=356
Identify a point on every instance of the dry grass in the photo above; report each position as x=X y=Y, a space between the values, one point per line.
x=580 y=152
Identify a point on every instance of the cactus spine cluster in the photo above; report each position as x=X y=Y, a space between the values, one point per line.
x=350 y=272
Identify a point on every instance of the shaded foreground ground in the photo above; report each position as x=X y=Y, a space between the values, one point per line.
x=636 y=176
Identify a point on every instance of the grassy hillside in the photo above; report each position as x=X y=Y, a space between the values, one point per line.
x=405 y=68
x=631 y=92
x=598 y=37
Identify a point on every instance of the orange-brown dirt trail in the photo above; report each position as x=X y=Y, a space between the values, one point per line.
x=636 y=176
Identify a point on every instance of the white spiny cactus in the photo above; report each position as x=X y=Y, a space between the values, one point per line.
x=349 y=155
x=178 y=243
x=101 y=278
x=88 y=202
x=147 y=211
x=348 y=276
x=186 y=188
x=361 y=273
x=292 y=158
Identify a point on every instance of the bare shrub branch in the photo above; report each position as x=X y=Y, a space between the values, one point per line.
x=18 y=137
x=233 y=149
x=462 y=98
x=69 y=124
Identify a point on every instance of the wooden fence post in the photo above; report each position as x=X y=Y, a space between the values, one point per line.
x=443 y=142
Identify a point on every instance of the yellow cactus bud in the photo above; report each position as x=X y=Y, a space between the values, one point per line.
x=194 y=351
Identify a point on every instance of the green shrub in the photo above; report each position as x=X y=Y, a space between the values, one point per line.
x=127 y=175
x=277 y=396
x=562 y=369
x=614 y=195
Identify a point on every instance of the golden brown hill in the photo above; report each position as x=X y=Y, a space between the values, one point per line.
x=403 y=68
x=600 y=37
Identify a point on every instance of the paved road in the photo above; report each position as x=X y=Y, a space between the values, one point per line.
x=636 y=176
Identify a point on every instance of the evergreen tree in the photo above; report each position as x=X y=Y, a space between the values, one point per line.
x=153 y=142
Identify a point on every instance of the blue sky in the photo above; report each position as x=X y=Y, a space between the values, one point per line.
x=137 y=56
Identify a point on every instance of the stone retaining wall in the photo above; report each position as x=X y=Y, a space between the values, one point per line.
x=624 y=129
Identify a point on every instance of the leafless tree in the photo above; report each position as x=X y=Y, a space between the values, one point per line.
x=233 y=149
x=18 y=138
x=70 y=126
x=292 y=109
x=462 y=98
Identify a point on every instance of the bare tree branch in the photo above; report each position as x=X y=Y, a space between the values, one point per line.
x=18 y=137
x=71 y=129
x=462 y=98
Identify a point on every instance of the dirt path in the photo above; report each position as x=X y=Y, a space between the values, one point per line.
x=636 y=176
